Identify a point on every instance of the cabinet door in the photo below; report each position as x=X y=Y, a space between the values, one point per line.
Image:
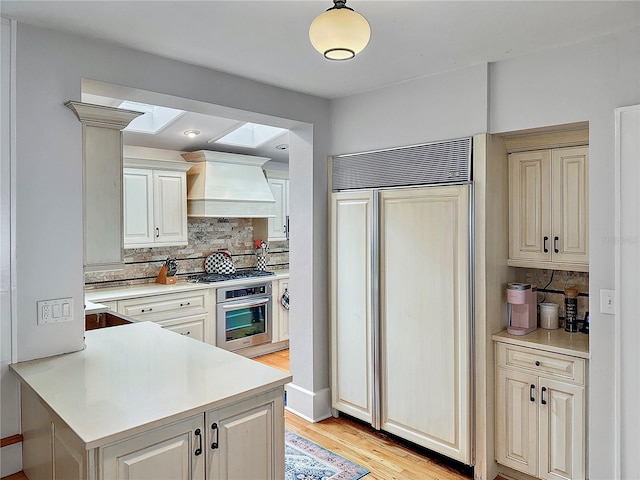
x=170 y=208
x=530 y=208
x=570 y=201
x=278 y=224
x=192 y=327
x=562 y=430
x=283 y=323
x=352 y=333
x=425 y=317
x=517 y=420
x=246 y=440
x=173 y=452
x=138 y=207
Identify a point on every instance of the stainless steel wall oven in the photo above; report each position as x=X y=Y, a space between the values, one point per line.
x=243 y=316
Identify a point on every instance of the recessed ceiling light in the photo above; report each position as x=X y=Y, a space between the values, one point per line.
x=192 y=133
x=282 y=146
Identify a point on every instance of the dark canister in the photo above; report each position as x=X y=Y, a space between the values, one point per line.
x=571 y=310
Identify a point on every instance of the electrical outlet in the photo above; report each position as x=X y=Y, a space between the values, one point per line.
x=46 y=313
x=55 y=311
x=607 y=301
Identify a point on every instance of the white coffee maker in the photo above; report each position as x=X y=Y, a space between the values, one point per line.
x=521 y=308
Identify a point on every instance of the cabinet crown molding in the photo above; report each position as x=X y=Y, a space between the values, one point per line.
x=571 y=135
x=101 y=115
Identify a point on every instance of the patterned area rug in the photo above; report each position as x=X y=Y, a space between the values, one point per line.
x=305 y=460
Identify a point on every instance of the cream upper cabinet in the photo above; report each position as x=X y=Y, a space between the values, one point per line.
x=278 y=225
x=155 y=200
x=540 y=412
x=549 y=205
x=102 y=183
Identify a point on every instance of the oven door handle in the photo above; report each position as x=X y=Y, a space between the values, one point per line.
x=255 y=303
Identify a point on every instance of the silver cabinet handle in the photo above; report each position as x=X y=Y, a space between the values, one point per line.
x=256 y=303
x=157 y=232
x=146 y=310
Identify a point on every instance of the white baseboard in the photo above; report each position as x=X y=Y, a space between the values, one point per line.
x=312 y=406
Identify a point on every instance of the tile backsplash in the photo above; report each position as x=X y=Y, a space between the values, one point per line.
x=551 y=290
x=205 y=236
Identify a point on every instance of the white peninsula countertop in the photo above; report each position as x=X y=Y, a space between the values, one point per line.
x=133 y=377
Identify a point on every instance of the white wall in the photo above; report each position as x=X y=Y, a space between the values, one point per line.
x=438 y=107
x=50 y=67
x=581 y=82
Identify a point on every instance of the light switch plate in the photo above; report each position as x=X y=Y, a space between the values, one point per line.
x=55 y=311
x=608 y=301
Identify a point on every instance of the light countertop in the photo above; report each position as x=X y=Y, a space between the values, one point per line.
x=556 y=341
x=133 y=377
x=147 y=289
x=90 y=307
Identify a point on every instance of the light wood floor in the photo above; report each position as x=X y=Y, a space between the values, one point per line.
x=384 y=457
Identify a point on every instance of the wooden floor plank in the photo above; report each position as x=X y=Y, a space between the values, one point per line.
x=384 y=456
x=16 y=476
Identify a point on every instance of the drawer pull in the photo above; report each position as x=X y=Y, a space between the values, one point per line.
x=542 y=400
x=214 y=427
x=198 y=434
x=531 y=389
x=157 y=232
x=537 y=363
x=186 y=333
x=555 y=244
x=185 y=304
x=146 y=310
x=546 y=250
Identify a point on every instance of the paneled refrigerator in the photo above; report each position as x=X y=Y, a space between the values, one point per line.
x=401 y=293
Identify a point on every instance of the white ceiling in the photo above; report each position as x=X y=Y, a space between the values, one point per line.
x=268 y=41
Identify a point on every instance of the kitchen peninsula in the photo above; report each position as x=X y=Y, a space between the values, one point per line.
x=141 y=401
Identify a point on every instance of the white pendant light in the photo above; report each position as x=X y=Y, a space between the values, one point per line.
x=339 y=33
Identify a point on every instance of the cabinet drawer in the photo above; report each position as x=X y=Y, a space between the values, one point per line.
x=193 y=328
x=540 y=362
x=165 y=307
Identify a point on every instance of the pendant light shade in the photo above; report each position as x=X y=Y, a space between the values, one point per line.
x=339 y=33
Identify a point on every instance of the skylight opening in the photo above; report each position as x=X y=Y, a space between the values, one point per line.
x=155 y=118
x=250 y=135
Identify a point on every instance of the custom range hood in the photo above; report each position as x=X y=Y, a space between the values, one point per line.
x=227 y=185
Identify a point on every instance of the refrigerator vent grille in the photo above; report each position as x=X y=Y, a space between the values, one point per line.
x=431 y=163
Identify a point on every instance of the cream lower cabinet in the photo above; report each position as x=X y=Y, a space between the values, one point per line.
x=237 y=441
x=280 y=314
x=187 y=313
x=549 y=209
x=172 y=452
x=540 y=412
x=243 y=440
